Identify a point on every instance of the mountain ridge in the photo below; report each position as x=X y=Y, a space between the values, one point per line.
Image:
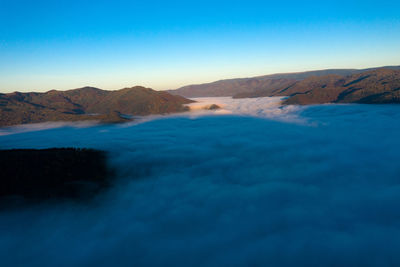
x=380 y=86
x=86 y=103
x=232 y=87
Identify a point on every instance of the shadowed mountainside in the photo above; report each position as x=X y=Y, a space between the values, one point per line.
x=232 y=87
x=86 y=103
x=260 y=86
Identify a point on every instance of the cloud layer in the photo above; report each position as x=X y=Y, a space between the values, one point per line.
x=225 y=190
x=263 y=107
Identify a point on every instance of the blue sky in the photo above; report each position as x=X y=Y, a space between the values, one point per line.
x=166 y=44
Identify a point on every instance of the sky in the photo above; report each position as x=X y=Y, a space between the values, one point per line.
x=63 y=44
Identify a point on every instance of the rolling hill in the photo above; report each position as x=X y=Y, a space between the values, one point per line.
x=87 y=103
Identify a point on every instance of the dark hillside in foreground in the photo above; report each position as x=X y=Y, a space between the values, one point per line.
x=86 y=103
x=53 y=173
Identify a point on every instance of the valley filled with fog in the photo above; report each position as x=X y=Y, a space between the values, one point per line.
x=251 y=183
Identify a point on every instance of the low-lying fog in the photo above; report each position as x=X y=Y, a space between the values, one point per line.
x=316 y=185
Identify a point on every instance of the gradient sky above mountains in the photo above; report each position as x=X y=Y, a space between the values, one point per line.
x=166 y=44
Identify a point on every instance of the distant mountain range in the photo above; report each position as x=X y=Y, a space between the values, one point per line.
x=380 y=86
x=86 y=103
x=374 y=85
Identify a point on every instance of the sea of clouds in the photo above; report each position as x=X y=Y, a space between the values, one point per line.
x=309 y=186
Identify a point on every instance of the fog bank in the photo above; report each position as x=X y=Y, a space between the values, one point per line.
x=225 y=190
